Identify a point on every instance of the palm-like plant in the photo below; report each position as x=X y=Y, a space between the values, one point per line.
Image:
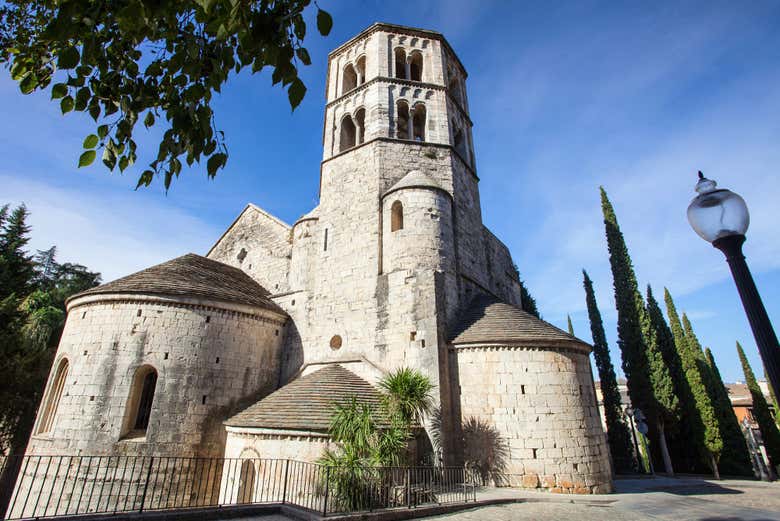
x=407 y=396
x=370 y=437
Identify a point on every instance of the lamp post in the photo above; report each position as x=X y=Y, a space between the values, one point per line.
x=721 y=217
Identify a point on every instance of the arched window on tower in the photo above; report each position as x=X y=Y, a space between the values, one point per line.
x=400 y=64
x=53 y=399
x=139 y=403
x=350 y=78
x=361 y=70
x=347 y=135
x=402 y=120
x=458 y=141
x=416 y=66
x=360 y=126
x=396 y=216
x=454 y=89
x=418 y=122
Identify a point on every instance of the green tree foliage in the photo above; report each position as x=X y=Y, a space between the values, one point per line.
x=642 y=363
x=368 y=438
x=735 y=459
x=660 y=343
x=131 y=61
x=775 y=405
x=527 y=301
x=32 y=313
x=569 y=325
x=761 y=414
x=700 y=417
x=617 y=432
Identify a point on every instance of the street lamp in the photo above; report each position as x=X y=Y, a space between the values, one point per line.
x=721 y=217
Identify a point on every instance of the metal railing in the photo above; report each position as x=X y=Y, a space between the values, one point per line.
x=53 y=486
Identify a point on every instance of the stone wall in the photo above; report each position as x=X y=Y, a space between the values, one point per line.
x=259 y=244
x=210 y=358
x=537 y=408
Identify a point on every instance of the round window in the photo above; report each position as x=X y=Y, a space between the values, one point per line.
x=335 y=342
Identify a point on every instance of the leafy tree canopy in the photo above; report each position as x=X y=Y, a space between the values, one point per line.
x=131 y=61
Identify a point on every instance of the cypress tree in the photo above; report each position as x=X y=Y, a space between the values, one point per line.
x=16 y=267
x=769 y=431
x=631 y=318
x=571 y=328
x=736 y=458
x=775 y=405
x=659 y=342
x=701 y=419
x=527 y=302
x=618 y=434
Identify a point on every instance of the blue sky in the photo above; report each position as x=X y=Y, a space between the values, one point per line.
x=632 y=96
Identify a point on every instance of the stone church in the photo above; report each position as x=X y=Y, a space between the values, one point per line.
x=243 y=352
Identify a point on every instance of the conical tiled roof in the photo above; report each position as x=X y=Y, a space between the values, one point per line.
x=414 y=179
x=191 y=276
x=307 y=402
x=487 y=320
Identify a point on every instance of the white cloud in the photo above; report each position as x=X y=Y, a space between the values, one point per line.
x=116 y=233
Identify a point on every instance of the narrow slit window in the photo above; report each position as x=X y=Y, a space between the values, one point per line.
x=140 y=401
x=325 y=242
x=397 y=216
x=53 y=400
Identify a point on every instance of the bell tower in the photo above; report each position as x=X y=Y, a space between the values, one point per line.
x=394 y=82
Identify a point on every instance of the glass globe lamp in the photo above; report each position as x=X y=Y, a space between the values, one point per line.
x=716 y=213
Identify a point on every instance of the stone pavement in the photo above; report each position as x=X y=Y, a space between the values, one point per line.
x=672 y=499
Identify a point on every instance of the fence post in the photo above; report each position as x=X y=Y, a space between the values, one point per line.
x=327 y=485
x=408 y=487
x=146 y=485
x=284 y=487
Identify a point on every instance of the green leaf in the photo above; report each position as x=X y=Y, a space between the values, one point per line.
x=303 y=55
x=28 y=84
x=102 y=131
x=149 y=120
x=109 y=158
x=124 y=161
x=296 y=92
x=324 y=22
x=59 y=90
x=87 y=158
x=146 y=179
x=68 y=58
x=214 y=163
x=90 y=141
x=66 y=105
x=82 y=98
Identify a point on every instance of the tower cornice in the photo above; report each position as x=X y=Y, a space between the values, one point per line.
x=401 y=29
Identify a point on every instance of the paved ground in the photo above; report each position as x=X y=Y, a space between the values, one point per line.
x=678 y=499
x=681 y=499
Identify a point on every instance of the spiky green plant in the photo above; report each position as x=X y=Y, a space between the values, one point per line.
x=406 y=396
x=369 y=438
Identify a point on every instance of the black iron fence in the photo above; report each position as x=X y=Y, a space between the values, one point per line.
x=52 y=486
